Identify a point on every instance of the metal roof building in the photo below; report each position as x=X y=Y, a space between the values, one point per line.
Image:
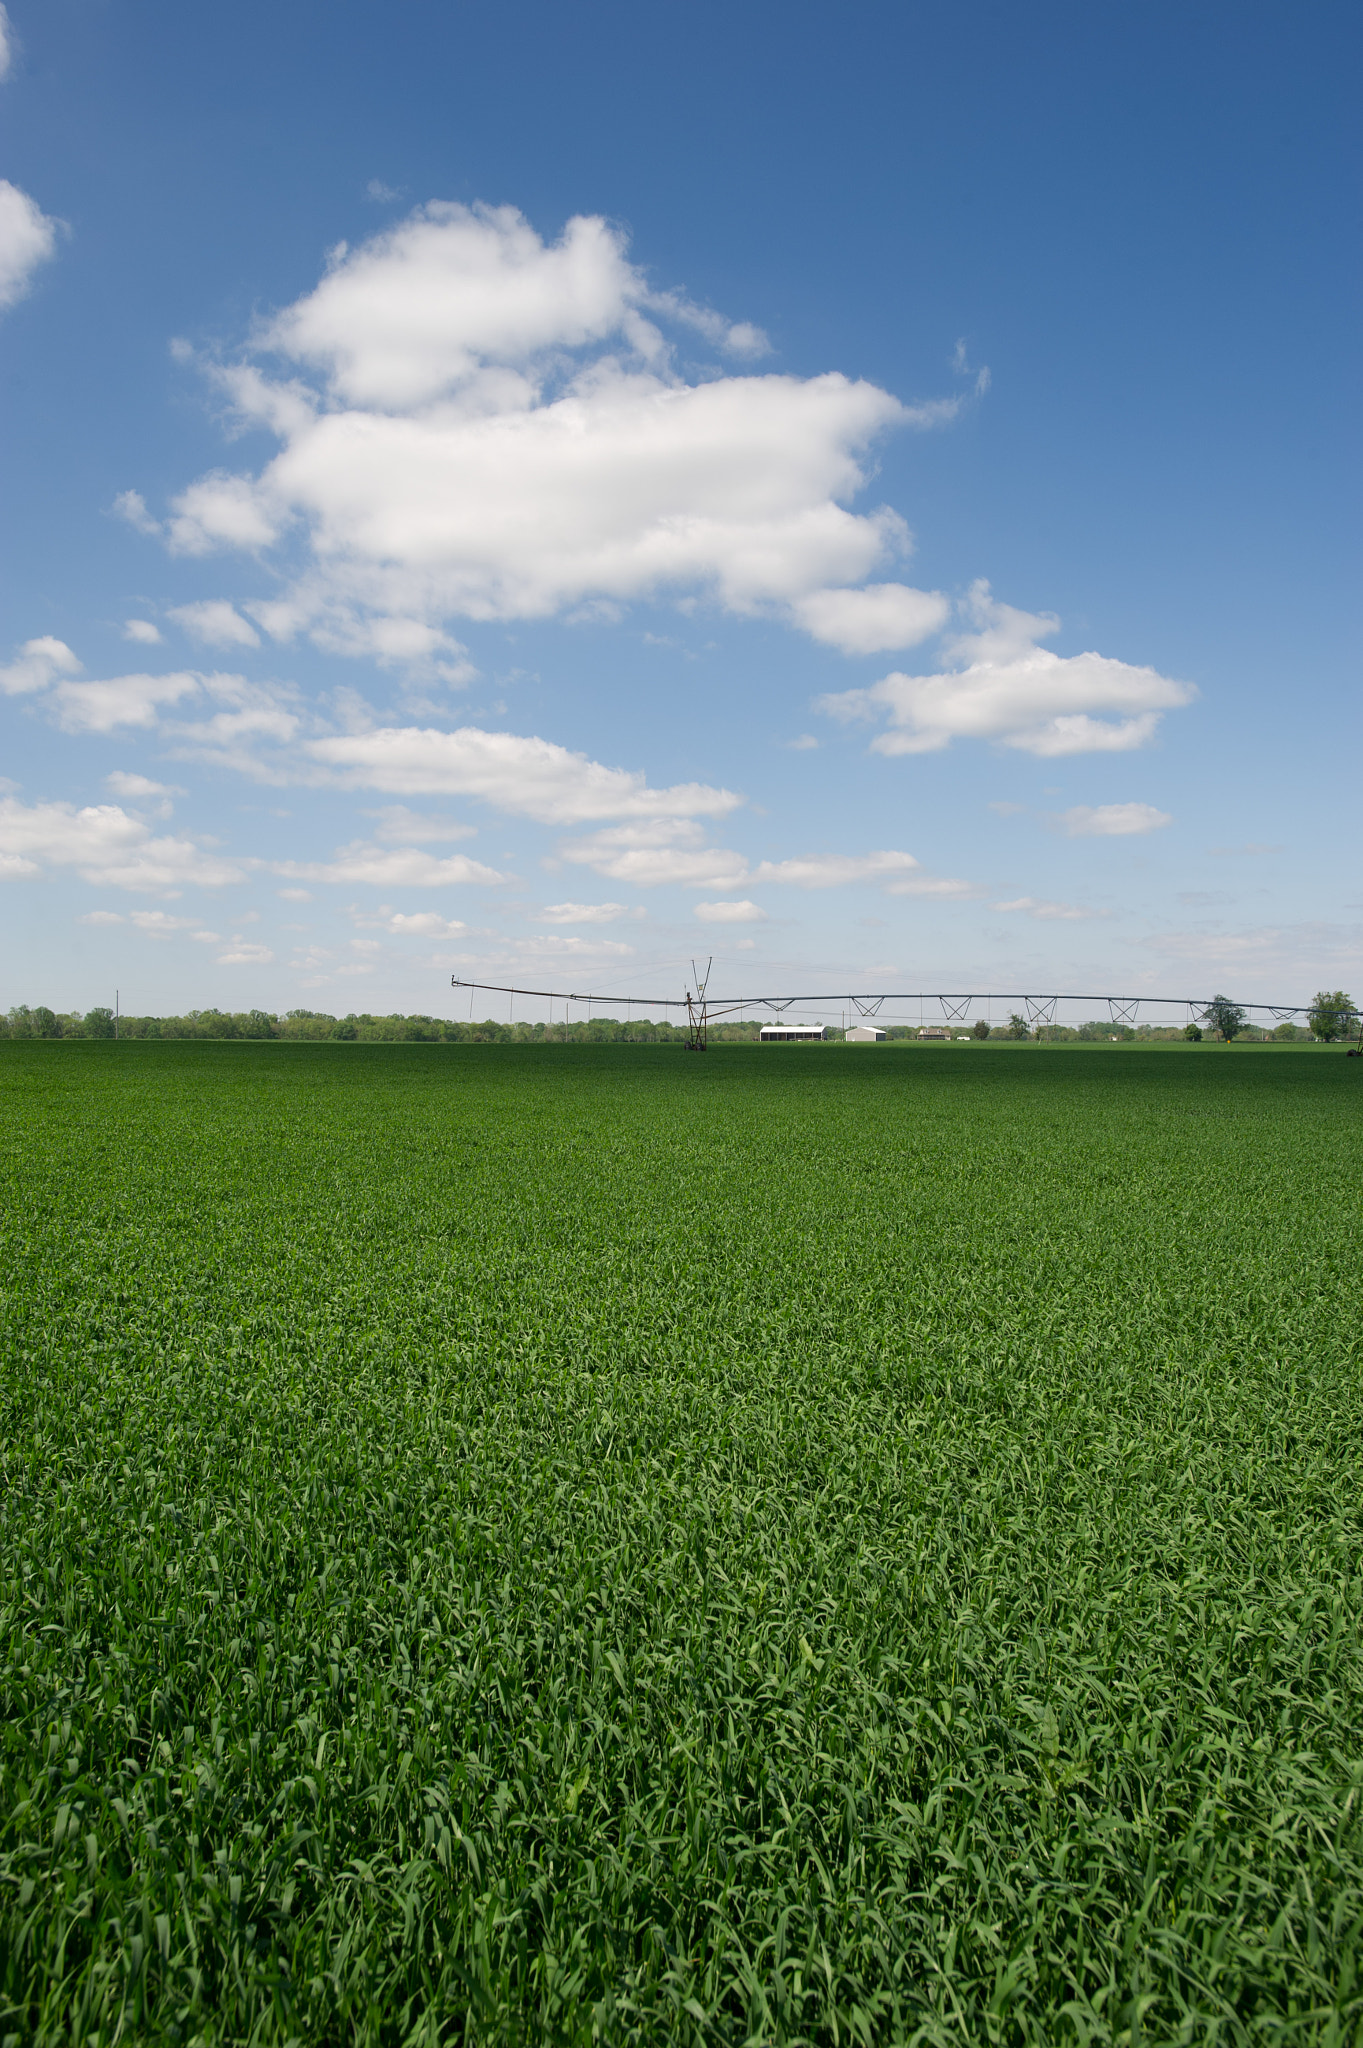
x=863 y=1034
x=791 y=1034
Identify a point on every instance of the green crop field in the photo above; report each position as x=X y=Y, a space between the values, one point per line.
x=568 y=1544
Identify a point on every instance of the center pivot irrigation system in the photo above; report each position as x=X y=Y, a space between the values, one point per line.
x=702 y=1008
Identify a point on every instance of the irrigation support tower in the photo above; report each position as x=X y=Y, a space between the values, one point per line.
x=1040 y=1010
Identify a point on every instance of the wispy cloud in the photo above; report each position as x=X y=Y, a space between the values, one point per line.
x=1032 y=906
x=1100 y=821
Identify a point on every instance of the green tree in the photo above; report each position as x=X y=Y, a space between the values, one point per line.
x=44 y=1023
x=981 y=1029
x=1332 y=1015
x=1225 y=1017
x=1193 y=1033
x=99 y=1022
x=1018 y=1027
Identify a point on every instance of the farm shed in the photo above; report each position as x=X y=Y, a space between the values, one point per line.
x=863 y=1034
x=790 y=1034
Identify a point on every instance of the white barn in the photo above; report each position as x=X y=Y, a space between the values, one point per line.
x=864 y=1034
x=792 y=1034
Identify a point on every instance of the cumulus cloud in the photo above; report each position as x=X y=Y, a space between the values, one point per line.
x=931 y=885
x=105 y=845
x=245 y=953
x=530 y=777
x=670 y=850
x=101 y=706
x=583 y=913
x=656 y=851
x=159 y=923
x=1097 y=821
x=122 y=700
x=216 y=623
x=476 y=423
x=122 y=783
x=869 y=621
x=421 y=924
x=143 y=631
x=38 y=663
x=6 y=44
x=834 y=870
x=132 y=507
x=258 y=717
x=731 y=912
x=28 y=239
x=390 y=867
x=553 y=946
x=1008 y=689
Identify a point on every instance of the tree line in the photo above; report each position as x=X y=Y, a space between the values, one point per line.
x=1333 y=1016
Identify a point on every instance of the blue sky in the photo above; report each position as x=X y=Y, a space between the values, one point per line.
x=542 y=493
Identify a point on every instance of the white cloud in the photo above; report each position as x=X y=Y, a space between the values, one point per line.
x=37 y=664
x=105 y=845
x=245 y=953
x=260 y=716
x=670 y=850
x=1031 y=906
x=143 y=631
x=422 y=924
x=556 y=947
x=219 y=511
x=931 y=885
x=741 y=912
x=27 y=239
x=159 y=923
x=482 y=425
x=131 y=506
x=295 y=895
x=533 y=778
x=216 y=623
x=101 y=917
x=391 y=867
x=124 y=784
x=834 y=870
x=1098 y=821
x=398 y=826
x=805 y=744
x=1011 y=691
x=6 y=44
x=661 y=850
x=583 y=913
x=869 y=621
x=123 y=700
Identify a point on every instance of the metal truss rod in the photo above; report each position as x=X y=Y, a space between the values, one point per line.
x=1040 y=1008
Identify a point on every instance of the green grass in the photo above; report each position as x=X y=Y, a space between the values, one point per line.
x=830 y=1545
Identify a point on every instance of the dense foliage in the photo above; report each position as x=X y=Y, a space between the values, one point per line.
x=631 y=1029
x=801 y=1545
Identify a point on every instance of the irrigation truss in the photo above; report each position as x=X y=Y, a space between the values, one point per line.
x=950 y=1007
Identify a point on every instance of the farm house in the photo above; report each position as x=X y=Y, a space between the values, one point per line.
x=864 y=1034
x=791 y=1034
